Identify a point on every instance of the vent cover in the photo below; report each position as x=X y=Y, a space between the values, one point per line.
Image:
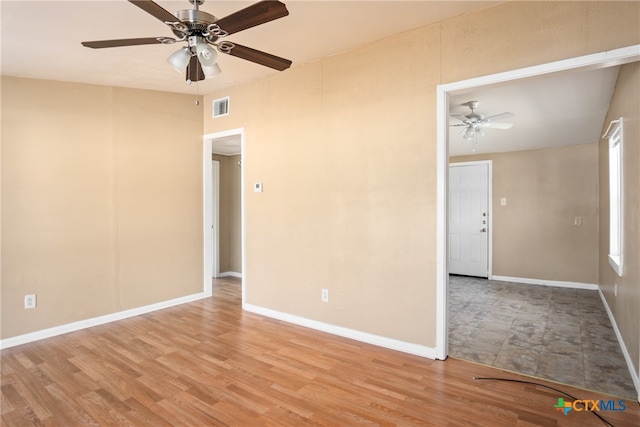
x=221 y=107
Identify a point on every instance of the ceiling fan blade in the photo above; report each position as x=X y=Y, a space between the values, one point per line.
x=256 y=14
x=460 y=117
x=494 y=125
x=99 y=44
x=155 y=10
x=498 y=117
x=256 y=56
x=194 y=70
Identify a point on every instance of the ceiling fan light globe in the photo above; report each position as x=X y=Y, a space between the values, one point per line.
x=179 y=60
x=207 y=55
x=211 y=70
x=468 y=134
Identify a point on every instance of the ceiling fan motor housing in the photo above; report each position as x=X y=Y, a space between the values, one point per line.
x=196 y=21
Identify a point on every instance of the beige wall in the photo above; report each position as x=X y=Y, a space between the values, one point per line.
x=102 y=187
x=626 y=305
x=346 y=149
x=230 y=220
x=101 y=201
x=534 y=235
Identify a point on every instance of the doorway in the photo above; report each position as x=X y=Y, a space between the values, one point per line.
x=222 y=161
x=595 y=61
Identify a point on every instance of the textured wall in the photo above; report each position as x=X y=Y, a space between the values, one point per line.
x=101 y=201
x=625 y=305
x=346 y=149
x=102 y=187
x=230 y=220
x=534 y=235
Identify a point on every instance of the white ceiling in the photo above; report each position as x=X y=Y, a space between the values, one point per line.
x=552 y=110
x=564 y=109
x=227 y=145
x=313 y=30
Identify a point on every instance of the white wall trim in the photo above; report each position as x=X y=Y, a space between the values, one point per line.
x=215 y=226
x=442 y=225
x=390 y=343
x=556 y=283
x=230 y=274
x=594 y=61
x=207 y=215
x=96 y=321
x=634 y=375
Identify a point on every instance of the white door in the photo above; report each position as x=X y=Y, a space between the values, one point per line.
x=469 y=219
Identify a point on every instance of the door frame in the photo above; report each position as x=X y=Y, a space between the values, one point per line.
x=489 y=164
x=210 y=207
x=593 y=61
x=215 y=216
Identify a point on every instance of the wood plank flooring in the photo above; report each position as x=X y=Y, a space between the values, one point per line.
x=208 y=363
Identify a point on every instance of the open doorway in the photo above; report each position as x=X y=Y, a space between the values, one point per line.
x=445 y=94
x=223 y=194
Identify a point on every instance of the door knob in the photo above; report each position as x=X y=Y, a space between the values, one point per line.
x=484 y=230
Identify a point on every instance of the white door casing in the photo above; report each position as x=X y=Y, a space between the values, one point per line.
x=609 y=58
x=208 y=209
x=469 y=213
x=215 y=220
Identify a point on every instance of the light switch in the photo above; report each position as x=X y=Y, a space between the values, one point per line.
x=503 y=201
x=257 y=187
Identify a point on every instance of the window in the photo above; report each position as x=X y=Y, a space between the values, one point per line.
x=614 y=135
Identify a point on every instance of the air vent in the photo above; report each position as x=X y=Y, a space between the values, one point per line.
x=221 y=107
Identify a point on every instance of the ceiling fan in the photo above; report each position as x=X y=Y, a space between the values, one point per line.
x=473 y=124
x=201 y=31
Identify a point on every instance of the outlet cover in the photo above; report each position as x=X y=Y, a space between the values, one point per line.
x=325 y=295
x=30 y=301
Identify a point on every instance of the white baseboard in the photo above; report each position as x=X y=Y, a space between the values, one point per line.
x=558 y=284
x=634 y=375
x=390 y=343
x=230 y=274
x=100 y=320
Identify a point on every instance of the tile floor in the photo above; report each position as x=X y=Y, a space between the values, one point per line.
x=559 y=334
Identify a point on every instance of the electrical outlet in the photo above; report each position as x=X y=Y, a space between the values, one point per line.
x=325 y=295
x=30 y=301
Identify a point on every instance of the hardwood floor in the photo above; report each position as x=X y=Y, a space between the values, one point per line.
x=208 y=363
